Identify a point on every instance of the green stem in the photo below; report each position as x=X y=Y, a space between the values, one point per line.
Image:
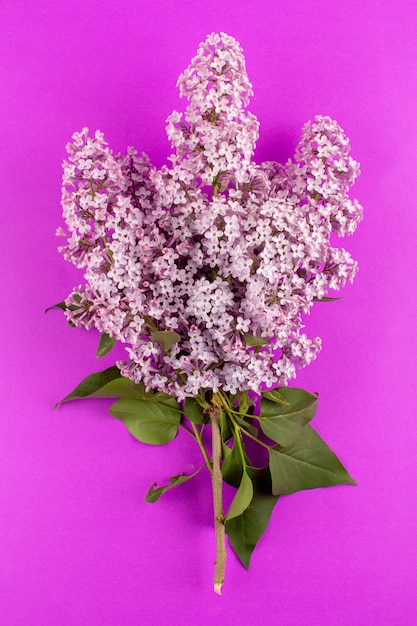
x=184 y=188
x=237 y=428
x=249 y=434
x=93 y=195
x=109 y=252
x=198 y=438
x=215 y=185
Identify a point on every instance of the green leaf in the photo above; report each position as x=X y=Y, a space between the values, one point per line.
x=95 y=385
x=109 y=384
x=63 y=306
x=154 y=494
x=165 y=338
x=244 y=403
x=105 y=344
x=326 y=299
x=161 y=397
x=261 y=478
x=225 y=429
x=123 y=388
x=60 y=305
x=306 y=464
x=150 y=422
x=251 y=340
x=291 y=400
x=283 y=422
x=242 y=498
x=275 y=396
x=194 y=411
x=232 y=468
x=201 y=399
x=245 y=530
x=246 y=423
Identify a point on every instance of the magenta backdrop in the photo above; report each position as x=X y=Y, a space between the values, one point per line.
x=78 y=544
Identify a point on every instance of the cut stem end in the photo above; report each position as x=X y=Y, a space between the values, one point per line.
x=218 y=588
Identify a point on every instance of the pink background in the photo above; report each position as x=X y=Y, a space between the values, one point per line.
x=79 y=546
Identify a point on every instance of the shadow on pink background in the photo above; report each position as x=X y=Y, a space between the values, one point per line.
x=78 y=544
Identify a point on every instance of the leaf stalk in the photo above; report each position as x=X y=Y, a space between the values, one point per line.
x=198 y=438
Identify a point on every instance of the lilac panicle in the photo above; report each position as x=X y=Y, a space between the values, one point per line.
x=227 y=253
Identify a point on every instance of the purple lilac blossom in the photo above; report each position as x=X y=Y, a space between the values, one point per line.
x=227 y=253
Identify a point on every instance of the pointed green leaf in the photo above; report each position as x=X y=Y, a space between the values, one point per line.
x=194 y=411
x=306 y=464
x=232 y=468
x=201 y=399
x=154 y=494
x=244 y=403
x=123 y=388
x=242 y=499
x=107 y=384
x=261 y=478
x=149 y=422
x=293 y=400
x=161 y=398
x=275 y=396
x=246 y=423
x=283 y=422
x=226 y=452
x=60 y=305
x=105 y=344
x=251 y=340
x=165 y=338
x=245 y=530
x=63 y=306
x=92 y=385
x=225 y=427
x=326 y=299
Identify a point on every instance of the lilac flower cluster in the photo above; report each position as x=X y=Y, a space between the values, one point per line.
x=221 y=254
